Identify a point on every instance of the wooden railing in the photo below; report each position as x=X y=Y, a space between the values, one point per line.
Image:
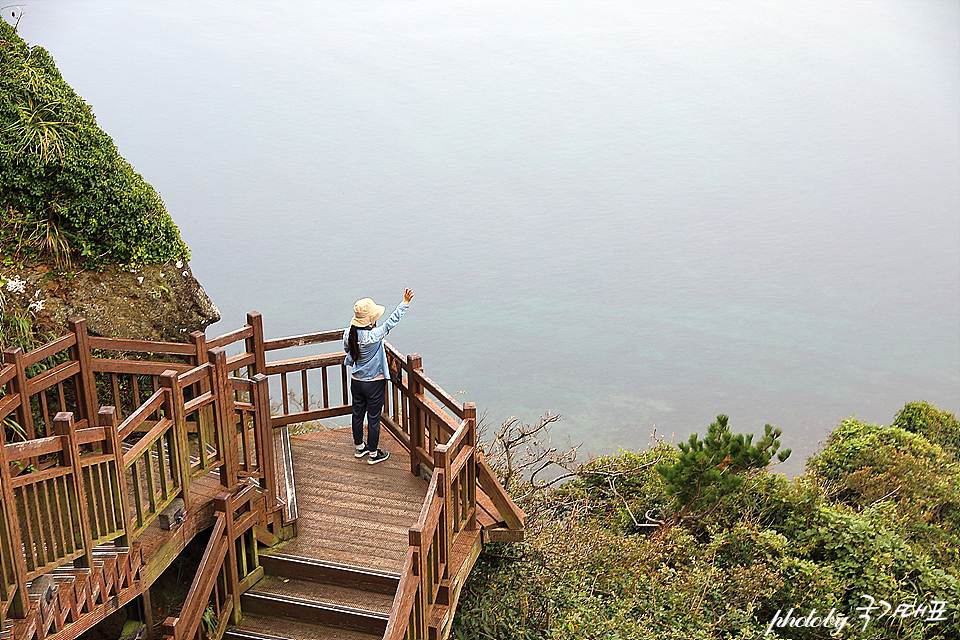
x=84 y=474
x=214 y=597
x=75 y=476
x=439 y=433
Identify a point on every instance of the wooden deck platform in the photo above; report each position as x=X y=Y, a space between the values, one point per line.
x=344 y=565
x=351 y=512
x=110 y=446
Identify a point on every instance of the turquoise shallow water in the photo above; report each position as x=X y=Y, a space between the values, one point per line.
x=635 y=214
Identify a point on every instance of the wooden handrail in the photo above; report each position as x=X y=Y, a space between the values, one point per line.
x=146 y=441
x=194 y=375
x=199 y=400
x=7 y=373
x=209 y=570
x=229 y=338
x=303 y=364
x=143 y=346
x=303 y=340
x=139 y=367
x=52 y=376
x=33 y=448
x=435 y=390
x=403 y=603
x=143 y=412
x=56 y=346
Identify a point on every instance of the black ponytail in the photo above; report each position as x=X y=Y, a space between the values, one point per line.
x=353 y=343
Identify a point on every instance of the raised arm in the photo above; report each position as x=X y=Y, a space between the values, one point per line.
x=377 y=333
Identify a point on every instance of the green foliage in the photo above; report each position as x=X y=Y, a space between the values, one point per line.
x=66 y=195
x=767 y=544
x=862 y=464
x=16 y=330
x=708 y=469
x=624 y=491
x=937 y=426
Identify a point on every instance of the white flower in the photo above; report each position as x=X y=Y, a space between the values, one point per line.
x=179 y=264
x=140 y=280
x=186 y=273
x=36 y=305
x=16 y=285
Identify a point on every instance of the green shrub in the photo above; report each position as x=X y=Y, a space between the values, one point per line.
x=862 y=464
x=938 y=426
x=768 y=544
x=707 y=470
x=66 y=195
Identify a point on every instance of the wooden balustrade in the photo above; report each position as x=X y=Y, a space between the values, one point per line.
x=86 y=475
x=153 y=464
x=423 y=568
x=223 y=574
x=210 y=590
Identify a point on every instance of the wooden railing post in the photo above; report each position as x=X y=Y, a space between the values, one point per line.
x=107 y=418
x=267 y=462
x=226 y=425
x=169 y=382
x=441 y=458
x=199 y=340
x=224 y=502
x=10 y=541
x=14 y=356
x=87 y=389
x=64 y=427
x=421 y=605
x=415 y=414
x=470 y=416
x=254 y=344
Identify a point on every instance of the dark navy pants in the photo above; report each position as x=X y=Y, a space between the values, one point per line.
x=367 y=399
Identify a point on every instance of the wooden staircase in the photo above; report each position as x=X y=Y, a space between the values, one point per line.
x=300 y=598
x=114 y=451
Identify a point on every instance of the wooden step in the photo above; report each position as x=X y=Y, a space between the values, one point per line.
x=260 y=627
x=326 y=593
x=290 y=566
x=313 y=612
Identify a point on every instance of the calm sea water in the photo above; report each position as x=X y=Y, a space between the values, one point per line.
x=635 y=214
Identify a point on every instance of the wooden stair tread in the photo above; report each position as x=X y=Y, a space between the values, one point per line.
x=273 y=628
x=325 y=593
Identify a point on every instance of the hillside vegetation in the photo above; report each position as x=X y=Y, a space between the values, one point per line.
x=68 y=201
x=66 y=195
x=704 y=542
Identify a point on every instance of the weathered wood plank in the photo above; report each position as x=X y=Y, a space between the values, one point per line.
x=7 y=373
x=49 y=349
x=33 y=448
x=142 y=346
x=240 y=361
x=230 y=337
x=53 y=376
x=303 y=340
x=301 y=364
x=139 y=367
x=143 y=412
x=437 y=391
x=146 y=442
x=306 y=416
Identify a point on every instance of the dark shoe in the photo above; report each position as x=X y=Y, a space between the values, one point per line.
x=361 y=451
x=379 y=456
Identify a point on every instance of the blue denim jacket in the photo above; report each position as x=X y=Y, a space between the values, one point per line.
x=373 y=357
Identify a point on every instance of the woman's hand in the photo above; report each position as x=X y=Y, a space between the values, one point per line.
x=407 y=295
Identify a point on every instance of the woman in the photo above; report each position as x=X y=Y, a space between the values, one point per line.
x=363 y=344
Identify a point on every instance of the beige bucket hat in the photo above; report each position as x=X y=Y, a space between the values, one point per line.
x=366 y=312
